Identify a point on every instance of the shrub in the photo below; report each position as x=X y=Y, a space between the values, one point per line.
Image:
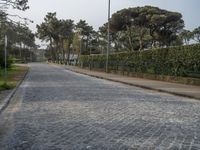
x=2 y=60
x=175 y=61
x=5 y=86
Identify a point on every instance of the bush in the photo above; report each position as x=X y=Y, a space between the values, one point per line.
x=5 y=86
x=175 y=61
x=2 y=60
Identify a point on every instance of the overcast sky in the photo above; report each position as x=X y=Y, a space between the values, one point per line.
x=95 y=11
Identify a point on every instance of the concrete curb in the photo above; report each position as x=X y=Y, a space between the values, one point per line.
x=137 y=85
x=7 y=100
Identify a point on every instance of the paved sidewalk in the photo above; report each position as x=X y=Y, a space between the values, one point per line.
x=3 y=95
x=172 y=88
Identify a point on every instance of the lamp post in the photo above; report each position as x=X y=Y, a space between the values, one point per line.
x=108 y=38
x=5 y=59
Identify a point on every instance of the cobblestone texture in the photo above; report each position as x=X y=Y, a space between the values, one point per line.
x=55 y=109
x=3 y=96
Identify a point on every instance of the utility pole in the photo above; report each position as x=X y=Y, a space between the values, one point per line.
x=20 y=51
x=5 y=57
x=108 y=38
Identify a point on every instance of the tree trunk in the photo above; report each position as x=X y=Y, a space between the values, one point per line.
x=51 y=51
x=129 y=38
x=68 y=54
x=63 y=53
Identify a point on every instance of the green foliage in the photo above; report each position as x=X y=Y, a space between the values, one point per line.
x=175 y=61
x=2 y=62
x=186 y=36
x=16 y=4
x=20 y=39
x=76 y=43
x=5 y=86
x=146 y=26
x=14 y=75
x=59 y=34
x=196 y=34
x=87 y=35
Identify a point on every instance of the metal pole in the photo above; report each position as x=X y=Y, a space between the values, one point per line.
x=31 y=56
x=5 y=52
x=20 y=51
x=108 y=38
x=43 y=53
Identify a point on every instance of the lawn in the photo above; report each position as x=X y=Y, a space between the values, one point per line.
x=15 y=74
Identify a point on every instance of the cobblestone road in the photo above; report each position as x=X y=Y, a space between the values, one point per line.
x=55 y=109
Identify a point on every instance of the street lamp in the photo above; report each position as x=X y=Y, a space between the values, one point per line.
x=5 y=55
x=108 y=38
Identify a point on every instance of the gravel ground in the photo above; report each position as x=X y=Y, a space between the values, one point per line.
x=3 y=94
x=55 y=109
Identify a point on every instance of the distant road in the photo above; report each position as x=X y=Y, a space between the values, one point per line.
x=57 y=109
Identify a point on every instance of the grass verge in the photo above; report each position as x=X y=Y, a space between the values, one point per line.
x=15 y=74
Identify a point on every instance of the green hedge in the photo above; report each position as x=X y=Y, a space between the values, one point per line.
x=176 y=61
x=2 y=59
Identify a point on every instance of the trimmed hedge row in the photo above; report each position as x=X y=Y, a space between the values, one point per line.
x=176 y=61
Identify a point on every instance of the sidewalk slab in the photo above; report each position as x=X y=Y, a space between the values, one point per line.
x=161 y=86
